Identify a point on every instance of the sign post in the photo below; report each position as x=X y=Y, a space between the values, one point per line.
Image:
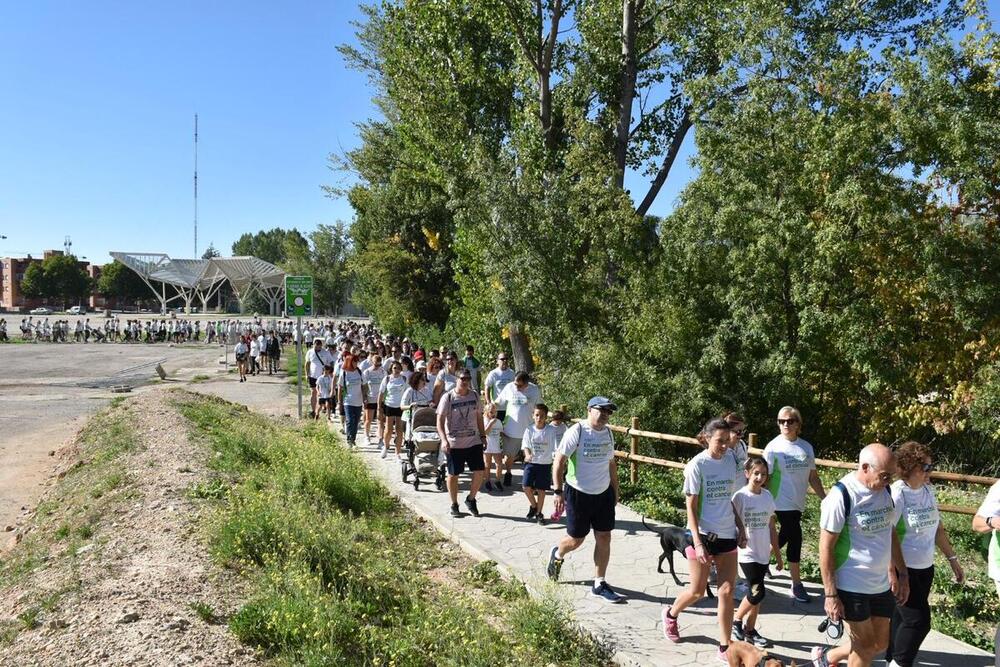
x=298 y=303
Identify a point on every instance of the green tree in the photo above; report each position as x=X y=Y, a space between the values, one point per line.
x=269 y=245
x=117 y=281
x=35 y=284
x=67 y=280
x=326 y=261
x=211 y=252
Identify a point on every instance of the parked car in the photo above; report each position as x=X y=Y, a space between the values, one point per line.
x=77 y=310
x=41 y=311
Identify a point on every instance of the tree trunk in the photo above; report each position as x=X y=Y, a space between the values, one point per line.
x=521 y=348
x=629 y=65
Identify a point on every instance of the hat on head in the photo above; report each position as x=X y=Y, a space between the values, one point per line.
x=421 y=365
x=601 y=402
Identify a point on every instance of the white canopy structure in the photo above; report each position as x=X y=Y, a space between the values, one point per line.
x=202 y=278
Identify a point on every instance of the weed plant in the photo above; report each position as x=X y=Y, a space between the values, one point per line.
x=341 y=572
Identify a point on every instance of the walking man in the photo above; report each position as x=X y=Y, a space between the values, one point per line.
x=463 y=438
x=586 y=486
x=860 y=559
x=316 y=359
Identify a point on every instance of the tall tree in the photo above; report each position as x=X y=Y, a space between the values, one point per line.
x=270 y=245
x=117 y=281
x=326 y=261
x=210 y=252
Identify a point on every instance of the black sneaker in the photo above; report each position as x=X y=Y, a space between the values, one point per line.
x=454 y=510
x=555 y=564
x=507 y=478
x=737 y=633
x=532 y=512
x=757 y=639
x=489 y=487
x=607 y=593
x=540 y=518
x=473 y=508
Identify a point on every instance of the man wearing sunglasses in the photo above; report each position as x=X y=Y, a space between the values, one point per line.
x=463 y=437
x=860 y=559
x=585 y=476
x=793 y=470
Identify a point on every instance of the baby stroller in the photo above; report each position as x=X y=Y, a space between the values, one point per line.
x=423 y=448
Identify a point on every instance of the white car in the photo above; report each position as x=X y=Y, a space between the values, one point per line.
x=77 y=310
x=41 y=311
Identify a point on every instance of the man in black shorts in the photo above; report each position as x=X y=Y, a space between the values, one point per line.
x=588 y=492
x=463 y=438
x=860 y=559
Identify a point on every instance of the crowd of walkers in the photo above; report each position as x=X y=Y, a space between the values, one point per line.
x=879 y=524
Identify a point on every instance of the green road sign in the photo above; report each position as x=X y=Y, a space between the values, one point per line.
x=298 y=296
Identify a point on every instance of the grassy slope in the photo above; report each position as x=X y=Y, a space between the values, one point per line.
x=342 y=574
x=970 y=613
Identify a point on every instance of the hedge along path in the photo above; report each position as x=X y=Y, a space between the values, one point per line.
x=633 y=458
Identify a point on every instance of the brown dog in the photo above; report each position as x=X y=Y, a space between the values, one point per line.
x=741 y=654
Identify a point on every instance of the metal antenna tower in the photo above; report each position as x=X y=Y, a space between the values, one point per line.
x=196 y=186
x=68 y=246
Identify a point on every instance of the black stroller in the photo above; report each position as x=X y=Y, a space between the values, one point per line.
x=423 y=448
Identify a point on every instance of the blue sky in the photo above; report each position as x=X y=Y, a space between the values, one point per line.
x=97 y=114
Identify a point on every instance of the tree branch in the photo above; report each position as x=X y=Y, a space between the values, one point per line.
x=668 y=162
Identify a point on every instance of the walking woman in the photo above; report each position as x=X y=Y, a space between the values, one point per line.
x=373 y=376
x=242 y=352
x=708 y=484
x=920 y=531
x=351 y=392
x=390 y=399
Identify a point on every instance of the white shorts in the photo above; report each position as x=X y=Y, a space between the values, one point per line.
x=492 y=446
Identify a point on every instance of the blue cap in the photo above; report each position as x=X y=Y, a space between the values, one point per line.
x=601 y=402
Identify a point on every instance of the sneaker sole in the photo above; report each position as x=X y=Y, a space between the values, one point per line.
x=601 y=597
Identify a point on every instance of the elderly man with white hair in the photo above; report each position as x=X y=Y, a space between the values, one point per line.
x=860 y=559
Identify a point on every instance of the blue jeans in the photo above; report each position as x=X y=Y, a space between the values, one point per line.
x=353 y=420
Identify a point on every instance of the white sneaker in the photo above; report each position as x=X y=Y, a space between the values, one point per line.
x=384 y=451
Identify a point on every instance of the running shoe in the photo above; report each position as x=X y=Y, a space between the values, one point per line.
x=489 y=487
x=757 y=639
x=540 y=518
x=799 y=593
x=385 y=451
x=722 y=656
x=473 y=507
x=737 y=633
x=532 y=512
x=607 y=593
x=818 y=655
x=454 y=510
x=555 y=564
x=507 y=478
x=670 y=629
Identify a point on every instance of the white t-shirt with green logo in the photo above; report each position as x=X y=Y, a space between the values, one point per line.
x=755 y=511
x=590 y=453
x=540 y=442
x=520 y=406
x=918 y=523
x=790 y=464
x=863 y=550
x=991 y=507
x=712 y=481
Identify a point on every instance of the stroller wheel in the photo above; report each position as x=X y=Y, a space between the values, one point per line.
x=416 y=483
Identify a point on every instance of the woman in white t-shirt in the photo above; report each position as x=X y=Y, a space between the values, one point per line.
x=390 y=399
x=920 y=532
x=351 y=393
x=242 y=352
x=373 y=376
x=708 y=485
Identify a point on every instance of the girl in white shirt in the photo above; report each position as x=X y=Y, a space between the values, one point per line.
x=494 y=455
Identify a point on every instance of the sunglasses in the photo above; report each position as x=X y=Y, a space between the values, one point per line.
x=501 y=358
x=739 y=431
x=927 y=467
x=464 y=378
x=604 y=411
x=787 y=422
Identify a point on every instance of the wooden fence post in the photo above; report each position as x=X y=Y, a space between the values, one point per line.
x=633 y=467
x=752 y=441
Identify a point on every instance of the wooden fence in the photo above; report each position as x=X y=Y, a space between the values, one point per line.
x=632 y=456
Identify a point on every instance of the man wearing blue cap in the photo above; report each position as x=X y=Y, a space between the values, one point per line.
x=586 y=486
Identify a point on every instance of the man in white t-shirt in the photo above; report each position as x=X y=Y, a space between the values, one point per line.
x=860 y=559
x=520 y=397
x=586 y=486
x=495 y=381
x=987 y=520
x=316 y=359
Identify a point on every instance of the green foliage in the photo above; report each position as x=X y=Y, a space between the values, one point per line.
x=35 y=285
x=310 y=525
x=210 y=252
x=119 y=281
x=273 y=245
x=57 y=277
x=325 y=259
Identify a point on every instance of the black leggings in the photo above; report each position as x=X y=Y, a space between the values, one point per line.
x=754 y=574
x=790 y=533
x=911 y=621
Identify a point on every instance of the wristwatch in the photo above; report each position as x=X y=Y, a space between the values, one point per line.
x=989 y=522
x=558 y=492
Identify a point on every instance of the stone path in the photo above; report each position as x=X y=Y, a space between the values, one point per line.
x=520 y=547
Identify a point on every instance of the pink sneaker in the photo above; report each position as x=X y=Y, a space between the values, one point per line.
x=722 y=656
x=670 y=630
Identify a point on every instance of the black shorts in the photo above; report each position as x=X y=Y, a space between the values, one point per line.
x=501 y=415
x=459 y=458
x=862 y=606
x=537 y=476
x=721 y=545
x=325 y=401
x=312 y=382
x=790 y=533
x=585 y=511
x=371 y=408
x=392 y=412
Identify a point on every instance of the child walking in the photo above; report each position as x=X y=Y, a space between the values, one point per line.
x=754 y=508
x=494 y=454
x=538 y=444
x=325 y=385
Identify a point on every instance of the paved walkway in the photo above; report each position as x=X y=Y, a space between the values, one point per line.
x=520 y=547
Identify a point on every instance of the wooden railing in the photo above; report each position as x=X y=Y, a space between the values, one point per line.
x=634 y=458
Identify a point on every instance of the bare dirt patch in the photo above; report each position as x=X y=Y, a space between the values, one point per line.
x=112 y=569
